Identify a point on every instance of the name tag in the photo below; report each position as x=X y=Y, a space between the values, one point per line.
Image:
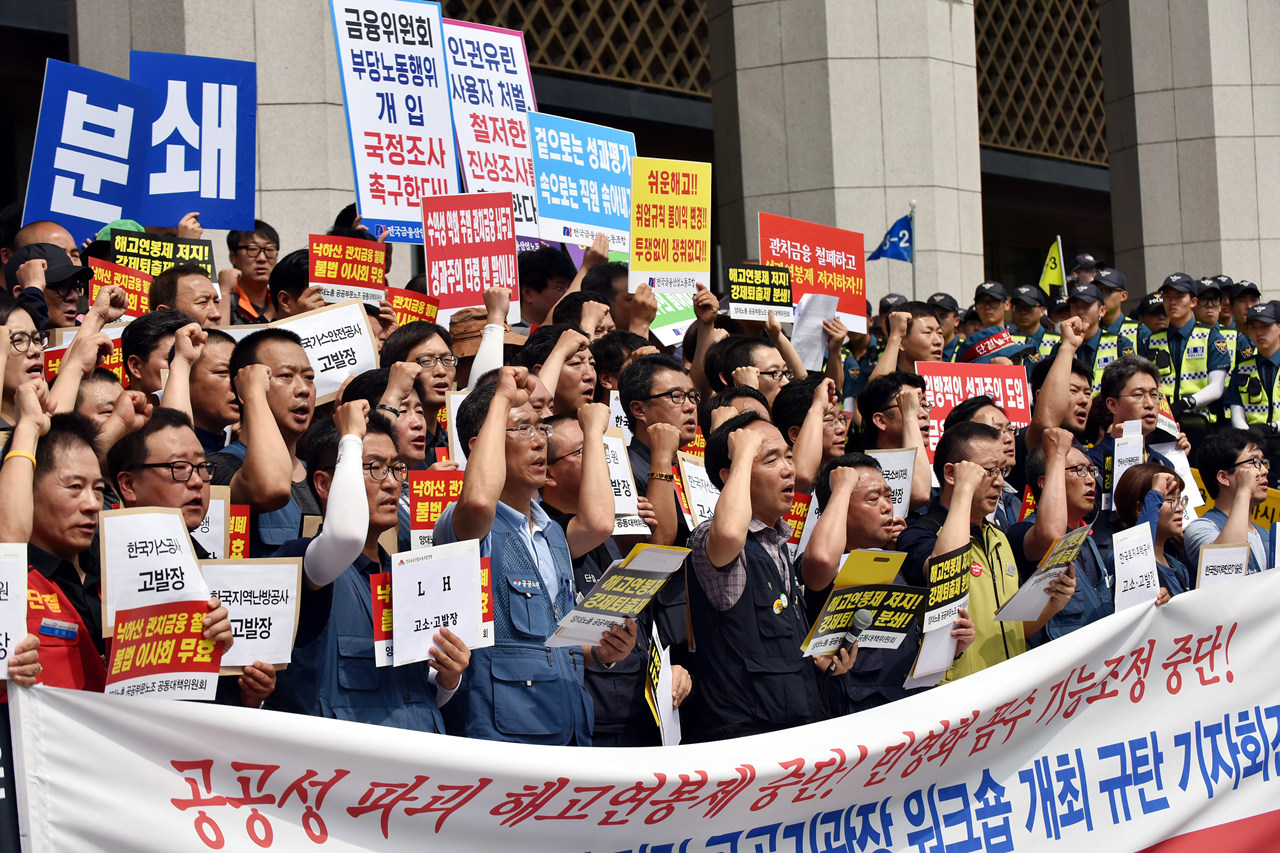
x=56 y=628
x=1195 y=352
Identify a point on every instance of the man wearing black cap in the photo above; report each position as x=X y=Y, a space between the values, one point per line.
x=1227 y=287
x=1100 y=348
x=1028 y=311
x=888 y=304
x=949 y=320
x=1192 y=358
x=1084 y=268
x=1254 y=394
x=1151 y=317
x=49 y=287
x=1210 y=293
x=991 y=301
x=1244 y=295
x=1115 y=290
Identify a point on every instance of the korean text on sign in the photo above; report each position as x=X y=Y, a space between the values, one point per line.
x=410 y=305
x=949 y=384
x=202 y=138
x=90 y=149
x=492 y=94
x=584 y=181
x=136 y=285
x=153 y=254
x=754 y=291
x=160 y=652
x=347 y=268
x=395 y=85
x=670 y=224
x=470 y=246
x=822 y=260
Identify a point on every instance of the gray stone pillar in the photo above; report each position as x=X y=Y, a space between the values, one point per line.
x=304 y=158
x=1193 y=126
x=841 y=112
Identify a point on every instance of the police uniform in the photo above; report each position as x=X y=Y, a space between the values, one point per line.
x=1185 y=357
x=1099 y=351
x=1255 y=386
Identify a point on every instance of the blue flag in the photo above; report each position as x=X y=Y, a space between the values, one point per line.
x=896 y=243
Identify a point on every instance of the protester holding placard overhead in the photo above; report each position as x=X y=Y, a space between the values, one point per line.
x=1234 y=470
x=356 y=473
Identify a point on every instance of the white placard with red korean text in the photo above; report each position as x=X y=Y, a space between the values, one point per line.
x=949 y=385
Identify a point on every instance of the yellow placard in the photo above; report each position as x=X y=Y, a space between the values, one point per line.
x=670 y=224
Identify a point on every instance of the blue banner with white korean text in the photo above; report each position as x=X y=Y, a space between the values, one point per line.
x=201 y=136
x=90 y=150
x=583 y=173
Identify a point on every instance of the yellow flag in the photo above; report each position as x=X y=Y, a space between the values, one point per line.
x=1052 y=274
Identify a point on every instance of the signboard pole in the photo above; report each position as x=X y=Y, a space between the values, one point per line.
x=912 y=214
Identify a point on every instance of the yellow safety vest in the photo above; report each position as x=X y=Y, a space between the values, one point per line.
x=1048 y=340
x=1108 y=351
x=1258 y=409
x=1194 y=371
x=994 y=583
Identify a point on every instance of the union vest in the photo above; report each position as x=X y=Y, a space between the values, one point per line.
x=72 y=662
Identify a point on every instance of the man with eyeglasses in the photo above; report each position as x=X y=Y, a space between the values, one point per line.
x=355 y=470
x=520 y=689
x=428 y=347
x=1065 y=485
x=970 y=465
x=1130 y=390
x=245 y=284
x=163 y=465
x=1234 y=470
x=896 y=415
x=47 y=284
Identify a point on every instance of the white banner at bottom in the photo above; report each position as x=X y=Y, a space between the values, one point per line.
x=1151 y=725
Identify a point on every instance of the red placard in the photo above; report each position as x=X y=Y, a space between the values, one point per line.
x=162 y=639
x=347 y=268
x=136 y=285
x=486 y=592
x=798 y=515
x=951 y=384
x=380 y=593
x=238 y=530
x=114 y=362
x=697 y=447
x=410 y=306
x=822 y=259
x=470 y=245
x=429 y=493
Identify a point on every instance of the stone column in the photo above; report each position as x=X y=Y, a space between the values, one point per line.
x=304 y=172
x=841 y=112
x=1193 y=126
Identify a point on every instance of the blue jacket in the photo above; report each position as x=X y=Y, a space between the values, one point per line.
x=335 y=674
x=1093 y=598
x=518 y=689
x=268 y=530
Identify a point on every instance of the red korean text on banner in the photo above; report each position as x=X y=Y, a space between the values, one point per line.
x=950 y=384
x=238 y=530
x=114 y=362
x=429 y=493
x=797 y=516
x=822 y=260
x=156 y=644
x=697 y=447
x=486 y=592
x=136 y=285
x=469 y=243
x=410 y=305
x=380 y=593
x=347 y=268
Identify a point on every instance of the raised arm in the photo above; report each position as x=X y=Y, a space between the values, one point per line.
x=594 y=523
x=489 y=355
x=910 y=407
x=806 y=453
x=1055 y=395
x=487 y=458
x=188 y=344
x=728 y=534
x=1051 y=508
x=705 y=308
x=17 y=475
x=899 y=322
x=346 y=515
x=265 y=481
x=826 y=544
x=569 y=343
x=773 y=327
x=836 y=333
x=664 y=441
x=597 y=253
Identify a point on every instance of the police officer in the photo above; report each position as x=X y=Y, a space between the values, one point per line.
x=1192 y=358
x=1151 y=316
x=1254 y=397
x=1084 y=268
x=1100 y=347
x=1027 y=326
x=949 y=319
x=1116 y=291
x=1244 y=296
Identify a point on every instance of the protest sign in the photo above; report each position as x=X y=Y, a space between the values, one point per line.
x=380 y=598
x=338 y=341
x=670 y=225
x=13 y=600
x=410 y=305
x=1104 y=740
x=583 y=174
x=203 y=138
x=470 y=246
x=675 y=316
x=429 y=493
x=620 y=594
x=147 y=559
x=60 y=340
x=1182 y=466
x=822 y=260
x=214 y=531
x=698 y=446
x=865 y=582
x=754 y=291
x=1029 y=601
x=263 y=600
x=617 y=417
x=808 y=337
x=1221 y=563
x=796 y=544
x=395 y=88
x=445 y=586
x=153 y=253
x=658 y=690
x=620 y=476
x=492 y=93
x=899 y=466
x=347 y=268
x=160 y=652
x=1129 y=451
x=948 y=592
x=700 y=492
x=90 y=150
x=951 y=384
x=136 y=285
x=238 y=531
x=1137 y=581
x=796 y=518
